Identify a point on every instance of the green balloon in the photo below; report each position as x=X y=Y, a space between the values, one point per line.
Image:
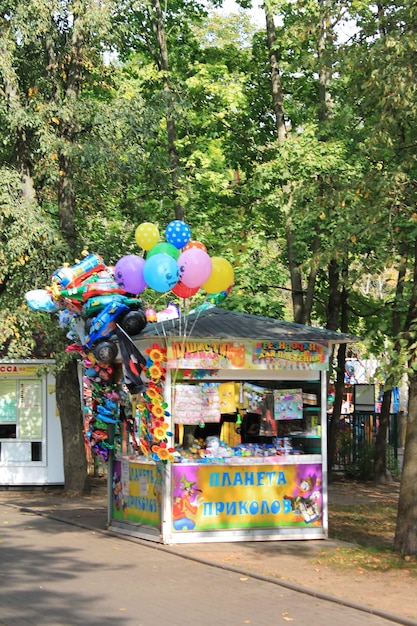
x=163 y=247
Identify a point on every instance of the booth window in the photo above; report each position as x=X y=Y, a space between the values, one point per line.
x=21 y=410
x=280 y=414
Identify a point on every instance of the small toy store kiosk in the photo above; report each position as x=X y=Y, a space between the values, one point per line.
x=30 y=429
x=239 y=452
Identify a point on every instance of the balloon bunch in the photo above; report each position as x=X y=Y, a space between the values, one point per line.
x=90 y=303
x=178 y=264
x=94 y=301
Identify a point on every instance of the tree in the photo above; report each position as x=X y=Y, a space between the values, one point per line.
x=42 y=76
x=384 y=50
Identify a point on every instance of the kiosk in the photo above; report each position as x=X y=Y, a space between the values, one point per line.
x=30 y=429
x=239 y=451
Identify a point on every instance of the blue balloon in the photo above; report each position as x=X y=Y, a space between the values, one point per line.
x=161 y=272
x=178 y=233
x=40 y=300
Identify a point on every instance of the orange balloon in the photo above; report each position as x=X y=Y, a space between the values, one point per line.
x=195 y=244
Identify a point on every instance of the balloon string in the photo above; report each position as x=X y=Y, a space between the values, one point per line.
x=195 y=320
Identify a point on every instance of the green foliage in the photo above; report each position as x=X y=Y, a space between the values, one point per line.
x=27 y=237
x=345 y=191
x=362 y=468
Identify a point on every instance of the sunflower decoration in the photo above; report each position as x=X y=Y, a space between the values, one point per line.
x=157 y=356
x=155 y=371
x=153 y=391
x=158 y=410
x=160 y=431
x=156 y=353
x=154 y=427
x=163 y=453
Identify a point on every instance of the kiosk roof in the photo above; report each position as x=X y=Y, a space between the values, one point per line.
x=222 y=324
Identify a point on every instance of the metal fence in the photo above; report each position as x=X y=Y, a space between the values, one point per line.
x=355 y=443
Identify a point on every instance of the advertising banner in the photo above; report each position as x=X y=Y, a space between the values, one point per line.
x=255 y=355
x=137 y=493
x=213 y=497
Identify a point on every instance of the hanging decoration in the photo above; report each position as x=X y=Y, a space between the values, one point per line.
x=99 y=304
x=153 y=410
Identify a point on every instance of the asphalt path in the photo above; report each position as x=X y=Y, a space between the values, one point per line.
x=55 y=573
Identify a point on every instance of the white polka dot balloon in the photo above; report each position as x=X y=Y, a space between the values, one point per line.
x=178 y=233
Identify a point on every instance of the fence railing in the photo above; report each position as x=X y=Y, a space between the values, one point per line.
x=356 y=440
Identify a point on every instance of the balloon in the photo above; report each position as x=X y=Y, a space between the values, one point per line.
x=73 y=276
x=128 y=273
x=40 y=300
x=178 y=233
x=216 y=298
x=221 y=277
x=164 y=247
x=161 y=272
x=195 y=267
x=147 y=235
x=182 y=291
x=195 y=244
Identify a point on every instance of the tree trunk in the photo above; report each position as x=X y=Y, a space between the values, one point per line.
x=334 y=422
x=337 y=306
x=71 y=415
x=380 y=456
x=297 y=294
x=406 y=529
x=277 y=91
x=68 y=387
x=325 y=110
x=66 y=202
x=159 y=29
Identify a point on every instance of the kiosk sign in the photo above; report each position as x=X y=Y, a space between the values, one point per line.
x=259 y=355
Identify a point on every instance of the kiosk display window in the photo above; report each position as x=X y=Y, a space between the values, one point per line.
x=269 y=419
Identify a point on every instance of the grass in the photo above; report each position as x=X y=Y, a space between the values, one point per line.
x=369 y=529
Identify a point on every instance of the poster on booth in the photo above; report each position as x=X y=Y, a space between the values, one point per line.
x=207 y=498
x=259 y=355
x=137 y=493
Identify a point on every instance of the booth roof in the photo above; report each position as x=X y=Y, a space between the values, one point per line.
x=222 y=324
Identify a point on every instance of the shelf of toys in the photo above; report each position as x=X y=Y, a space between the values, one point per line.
x=226 y=443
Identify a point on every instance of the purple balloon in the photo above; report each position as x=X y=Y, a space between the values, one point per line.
x=128 y=273
x=195 y=267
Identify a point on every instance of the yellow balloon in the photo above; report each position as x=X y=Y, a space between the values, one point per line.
x=221 y=277
x=147 y=235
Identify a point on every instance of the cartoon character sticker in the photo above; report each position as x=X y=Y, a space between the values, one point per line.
x=306 y=503
x=187 y=499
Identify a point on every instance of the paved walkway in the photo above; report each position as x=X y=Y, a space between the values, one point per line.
x=270 y=563
x=58 y=574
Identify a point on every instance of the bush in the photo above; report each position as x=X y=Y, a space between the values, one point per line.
x=362 y=468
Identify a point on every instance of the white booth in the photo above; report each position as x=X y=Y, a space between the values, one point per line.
x=31 y=451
